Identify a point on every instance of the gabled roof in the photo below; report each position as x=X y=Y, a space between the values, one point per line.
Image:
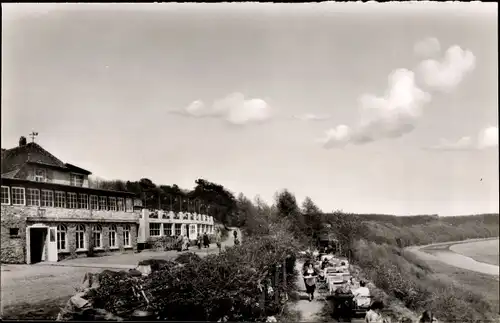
x=12 y=160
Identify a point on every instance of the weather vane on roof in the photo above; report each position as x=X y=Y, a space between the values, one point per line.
x=33 y=135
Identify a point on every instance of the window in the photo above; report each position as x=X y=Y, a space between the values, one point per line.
x=184 y=230
x=60 y=199
x=102 y=203
x=120 y=204
x=112 y=203
x=14 y=232
x=84 y=201
x=61 y=237
x=97 y=236
x=177 y=229
x=80 y=237
x=126 y=236
x=199 y=228
x=129 y=207
x=47 y=198
x=112 y=236
x=5 y=195
x=76 y=180
x=192 y=230
x=33 y=197
x=154 y=229
x=167 y=229
x=93 y=202
x=72 y=201
x=40 y=175
x=18 y=196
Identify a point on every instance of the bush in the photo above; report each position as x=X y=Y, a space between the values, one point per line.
x=234 y=284
x=409 y=279
x=161 y=243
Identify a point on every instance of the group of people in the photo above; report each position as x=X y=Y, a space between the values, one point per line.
x=203 y=239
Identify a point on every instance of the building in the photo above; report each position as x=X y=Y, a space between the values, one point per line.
x=49 y=212
x=158 y=223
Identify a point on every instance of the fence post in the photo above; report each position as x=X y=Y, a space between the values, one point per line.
x=276 y=279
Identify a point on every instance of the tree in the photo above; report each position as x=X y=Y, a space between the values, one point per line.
x=312 y=218
x=287 y=204
x=221 y=201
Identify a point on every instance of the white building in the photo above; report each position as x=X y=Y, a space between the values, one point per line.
x=158 y=223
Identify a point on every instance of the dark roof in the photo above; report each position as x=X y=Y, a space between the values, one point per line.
x=10 y=162
x=77 y=169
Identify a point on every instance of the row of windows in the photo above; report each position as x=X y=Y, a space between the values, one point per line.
x=155 y=229
x=75 y=179
x=177 y=216
x=48 y=198
x=97 y=237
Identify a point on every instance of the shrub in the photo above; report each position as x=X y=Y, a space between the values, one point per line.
x=234 y=284
x=161 y=243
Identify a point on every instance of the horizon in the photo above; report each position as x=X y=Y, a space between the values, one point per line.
x=397 y=116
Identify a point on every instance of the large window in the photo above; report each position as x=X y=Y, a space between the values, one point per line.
x=102 y=203
x=97 y=236
x=33 y=197
x=61 y=237
x=192 y=230
x=120 y=204
x=40 y=175
x=129 y=206
x=126 y=236
x=76 y=180
x=80 y=237
x=112 y=203
x=47 y=198
x=94 y=202
x=84 y=201
x=154 y=229
x=72 y=201
x=60 y=199
x=177 y=229
x=167 y=229
x=5 y=195
x=18 y=197
x=112 y=237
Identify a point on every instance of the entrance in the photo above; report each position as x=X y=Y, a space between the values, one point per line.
x=38 y=239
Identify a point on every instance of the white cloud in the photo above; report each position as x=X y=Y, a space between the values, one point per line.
x=427 y=47
x=234 y=109
x=487 y=138
x=312 y=117
x=388 y=116
x=445 y=75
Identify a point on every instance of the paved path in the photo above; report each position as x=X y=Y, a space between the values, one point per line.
x=309 y=311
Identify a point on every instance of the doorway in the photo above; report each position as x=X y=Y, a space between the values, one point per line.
x=38 y=238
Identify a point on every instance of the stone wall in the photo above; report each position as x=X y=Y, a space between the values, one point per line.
x=12 y=249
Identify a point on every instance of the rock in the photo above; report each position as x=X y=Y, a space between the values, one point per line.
x=144 y=269
x=271 y=319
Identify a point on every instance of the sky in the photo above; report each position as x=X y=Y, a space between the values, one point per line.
x=366 y=108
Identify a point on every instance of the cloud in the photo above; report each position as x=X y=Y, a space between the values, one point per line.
x=445 y=75
x=427 y=47
x=234 y=109
x=312 y=117
x=388 y=116
x=487 y=138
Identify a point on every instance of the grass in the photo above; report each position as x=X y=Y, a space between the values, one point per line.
x=45 y=310
x=451 y=293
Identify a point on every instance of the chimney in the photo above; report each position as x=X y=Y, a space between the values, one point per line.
x=22 y=141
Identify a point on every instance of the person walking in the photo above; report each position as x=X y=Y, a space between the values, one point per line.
x=218 y=241
x=310 y=280
x=199 y=241
x=206 y=240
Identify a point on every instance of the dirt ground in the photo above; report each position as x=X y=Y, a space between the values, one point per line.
x=32 y=287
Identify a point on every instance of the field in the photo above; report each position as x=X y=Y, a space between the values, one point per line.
x=482 y=251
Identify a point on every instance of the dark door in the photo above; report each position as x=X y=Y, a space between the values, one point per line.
x=37 y=243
